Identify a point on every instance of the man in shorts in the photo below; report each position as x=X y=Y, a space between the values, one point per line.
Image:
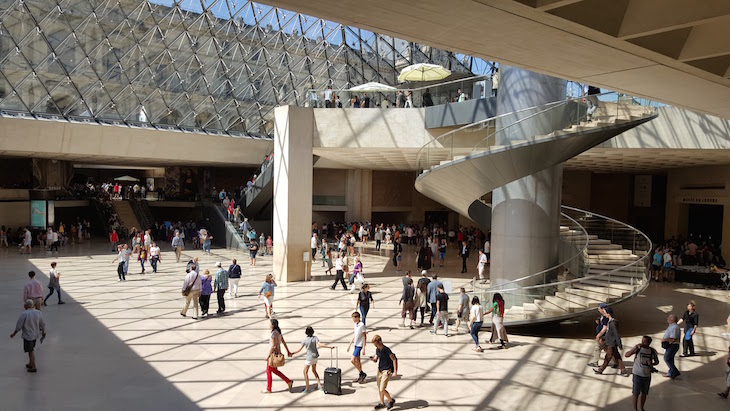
x=32 y=326
x=359 y=338
x=387 y=368
x=646 y=359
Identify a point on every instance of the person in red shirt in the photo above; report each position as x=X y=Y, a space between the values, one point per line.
x=114 y=239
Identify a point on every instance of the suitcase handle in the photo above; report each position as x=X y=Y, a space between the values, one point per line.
x=338 y=357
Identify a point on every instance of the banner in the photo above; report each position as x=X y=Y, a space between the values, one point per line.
x=38 y=214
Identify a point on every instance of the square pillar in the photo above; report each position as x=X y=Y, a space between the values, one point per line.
x=293 y=156
x=359 y=195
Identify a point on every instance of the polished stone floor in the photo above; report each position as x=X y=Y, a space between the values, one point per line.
x=123 y=346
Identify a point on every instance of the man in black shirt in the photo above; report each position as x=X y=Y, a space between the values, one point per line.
x=398 y=254
x=387 y=368
x=691 y=320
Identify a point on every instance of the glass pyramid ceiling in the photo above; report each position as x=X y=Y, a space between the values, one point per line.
x=212 y=66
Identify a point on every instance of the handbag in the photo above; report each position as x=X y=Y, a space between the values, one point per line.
x=267 y=294
x=187 y=289
x=277 y=360
x=665 y=344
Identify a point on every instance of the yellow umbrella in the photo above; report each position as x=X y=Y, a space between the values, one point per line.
x=423 y=72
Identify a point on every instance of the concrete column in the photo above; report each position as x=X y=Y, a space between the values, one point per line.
x=293 y=133
x=526 y=212
x=359 y=195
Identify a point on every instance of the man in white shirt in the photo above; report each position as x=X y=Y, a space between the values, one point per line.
x=480 y=266
x=488 y=250
x=27 y=239
x=359 y=338
x=313 y=244
x=193 y=284
x=154 y=256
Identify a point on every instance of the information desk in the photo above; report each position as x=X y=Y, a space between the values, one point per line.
x=697 y=275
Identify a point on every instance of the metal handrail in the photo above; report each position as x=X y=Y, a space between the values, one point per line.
x=533 y=275
x=590 y=277
x=548 y=107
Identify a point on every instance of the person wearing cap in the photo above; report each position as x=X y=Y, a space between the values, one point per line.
x=613 y=345
x=601 y=328
x=221 y=286
x=32 y=325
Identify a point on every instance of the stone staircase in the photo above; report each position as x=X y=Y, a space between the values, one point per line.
x=126 y=214
x=620 y=279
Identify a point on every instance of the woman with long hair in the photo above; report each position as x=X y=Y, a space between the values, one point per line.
x=498 y=330
x=476 y=318
x=421 y=300
x=275 y=358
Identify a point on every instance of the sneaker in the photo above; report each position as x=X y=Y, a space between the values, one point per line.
x=265 y=392
x=362 y=378
x=380 y=406
x=61 y=302
x=391 y=403
x=593 y=364
x=433 y=332
x=597 y=371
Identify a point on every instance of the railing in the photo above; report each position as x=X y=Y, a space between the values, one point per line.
x=623 y=281
x=572 y=256
x=528 y=125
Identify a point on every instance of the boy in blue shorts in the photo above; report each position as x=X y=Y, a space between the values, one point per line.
x=359 y=338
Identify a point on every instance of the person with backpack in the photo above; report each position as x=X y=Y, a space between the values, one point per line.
x=645 y=360
x=387 y=369
x=191 y=288
x=234 y=276
x=311 y=343
x=613 y=345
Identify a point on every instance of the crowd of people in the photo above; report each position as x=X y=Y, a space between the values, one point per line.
x=50 y=240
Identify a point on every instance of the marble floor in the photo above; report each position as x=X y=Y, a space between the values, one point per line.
x=123 y=346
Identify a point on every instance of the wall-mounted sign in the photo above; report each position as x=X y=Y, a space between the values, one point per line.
x=38 y=214
x=699 y=200
x=642 y=191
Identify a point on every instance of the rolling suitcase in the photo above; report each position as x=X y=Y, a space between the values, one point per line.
x=333 y=378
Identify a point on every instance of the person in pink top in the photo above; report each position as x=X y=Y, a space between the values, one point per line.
x=33 y=290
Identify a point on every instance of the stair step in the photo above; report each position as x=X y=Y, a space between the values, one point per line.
x=592 y=246
x=588 y=299
x=626 y=288
x=572 y=304
x=600 y=289
x=600 y=297
x=609 y=252
x=617 y=277
x=598 y=241
x=550 y=308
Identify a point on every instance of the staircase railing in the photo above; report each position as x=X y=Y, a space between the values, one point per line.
x=627 y=278
x=527 y=125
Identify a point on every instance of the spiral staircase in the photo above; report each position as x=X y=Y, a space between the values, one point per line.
x=601 y=260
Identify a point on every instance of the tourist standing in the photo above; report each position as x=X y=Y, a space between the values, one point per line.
x=252 y=249
x=476 y=319
x=33 y=291
x=670 y=343
x=601 y=328
x=311 y=343
x=54 y=284
x=275 y=358
x=206 y=290
x=142 y=257
x=191 y=290
x=31 y=325
x=220 y=286
x=481 y=265
x=646 y=359
x=398 y=254
x=114 y=239
x=464 y=254
x=387 y=368
x=234 y=277
x=691 y=320
x=120 y=264
x=267 y=290
x=313 y=244
x=359 y=339
x=442 y=252
x=421 y=300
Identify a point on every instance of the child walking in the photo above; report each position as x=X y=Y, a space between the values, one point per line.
x=311 y=343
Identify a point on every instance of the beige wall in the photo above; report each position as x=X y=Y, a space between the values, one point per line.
x=15 y=213
x=694 y=185
x=329 y=182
